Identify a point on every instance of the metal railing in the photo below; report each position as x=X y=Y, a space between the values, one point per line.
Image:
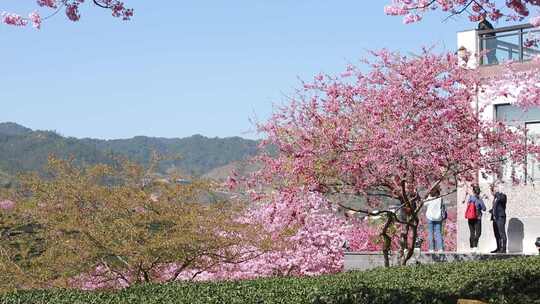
x=518 y=43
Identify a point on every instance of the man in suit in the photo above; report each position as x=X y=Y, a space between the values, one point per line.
x=498 y=216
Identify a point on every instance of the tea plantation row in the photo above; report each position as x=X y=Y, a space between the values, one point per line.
x=504 y=281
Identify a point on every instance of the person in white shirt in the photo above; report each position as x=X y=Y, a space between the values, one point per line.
x=435 y=214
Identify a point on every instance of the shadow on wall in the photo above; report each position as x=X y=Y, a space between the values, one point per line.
x=516 y=233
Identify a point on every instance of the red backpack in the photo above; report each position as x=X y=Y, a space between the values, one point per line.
x=470 y=213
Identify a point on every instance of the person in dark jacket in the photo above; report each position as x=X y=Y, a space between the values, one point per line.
x=498 y=216
x=489 y=41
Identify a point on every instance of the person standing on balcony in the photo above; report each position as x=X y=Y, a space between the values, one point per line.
x=498 y=216
x=435 y=214
x=473 y=214
x=489 y=42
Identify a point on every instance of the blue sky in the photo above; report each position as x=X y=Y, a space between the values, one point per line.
x=185 y=67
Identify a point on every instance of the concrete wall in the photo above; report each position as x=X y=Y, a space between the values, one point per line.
x=365 y=260
x=468 y=40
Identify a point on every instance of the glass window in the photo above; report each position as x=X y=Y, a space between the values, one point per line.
x=513 y=115
x=531 y=44
x=533 y=137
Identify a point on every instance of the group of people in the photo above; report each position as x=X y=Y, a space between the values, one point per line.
x=436 y=214
x=473 y=214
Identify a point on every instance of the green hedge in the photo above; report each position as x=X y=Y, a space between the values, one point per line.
x=502 y=281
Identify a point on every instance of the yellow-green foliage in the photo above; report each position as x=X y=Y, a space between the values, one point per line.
x=73 y=219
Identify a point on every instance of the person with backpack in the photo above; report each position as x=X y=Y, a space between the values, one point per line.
x=498 y=216
x=435 y=215
x=473 y=214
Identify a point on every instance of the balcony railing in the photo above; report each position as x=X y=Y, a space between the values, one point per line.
x=517 y=43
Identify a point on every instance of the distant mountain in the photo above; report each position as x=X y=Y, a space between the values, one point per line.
x=196 y=154
x=22 y=149
x=11 y=128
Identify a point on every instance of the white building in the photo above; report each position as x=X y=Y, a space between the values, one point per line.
x=523 y=206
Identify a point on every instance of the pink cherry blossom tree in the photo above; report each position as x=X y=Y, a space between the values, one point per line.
x=49 y=8
x=390 y=134
x=307 y=233
x=510 y=10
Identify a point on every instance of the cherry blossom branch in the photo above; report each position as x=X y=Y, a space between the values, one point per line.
x=116 y=7
x=96 y=2
x=462 y=10
x=423 y=6
x=54 y=13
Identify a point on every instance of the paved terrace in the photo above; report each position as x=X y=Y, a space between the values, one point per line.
x=370 y=260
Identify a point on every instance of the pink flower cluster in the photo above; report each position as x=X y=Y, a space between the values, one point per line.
x=47 y=3
x=18 y=20
x=13 y=19
x=72 y=10
x=313 y=244
x=7 y=205
x=518 y=86
x=519 y=6
x=411 y=18
x=36 y=19
x=118 y=9
x=364 y=235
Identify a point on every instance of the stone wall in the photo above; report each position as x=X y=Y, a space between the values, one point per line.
x=370 y=260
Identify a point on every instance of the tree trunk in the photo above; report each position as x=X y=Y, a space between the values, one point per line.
x=403 y=240
x=410 y=248
x=387 y=240
x=408 y=244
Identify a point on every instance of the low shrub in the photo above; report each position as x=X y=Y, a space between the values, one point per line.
x=499 y=281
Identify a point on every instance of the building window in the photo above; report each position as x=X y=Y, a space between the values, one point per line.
x=514 y=116
x=533 y=137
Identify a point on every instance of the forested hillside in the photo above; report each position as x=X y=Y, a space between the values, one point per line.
x=22 y=149
x=194 y=155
